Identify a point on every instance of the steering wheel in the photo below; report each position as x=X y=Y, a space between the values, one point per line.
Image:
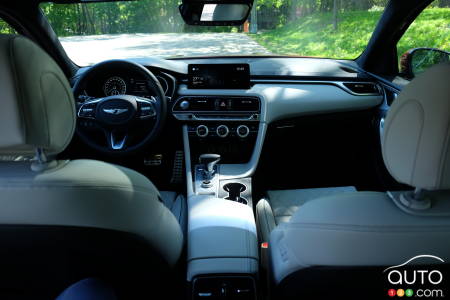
x=119 y=124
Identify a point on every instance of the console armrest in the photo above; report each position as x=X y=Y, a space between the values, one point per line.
x=221 y=231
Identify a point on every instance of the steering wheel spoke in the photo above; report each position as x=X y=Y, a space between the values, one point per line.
x=87 y=110
x=146 y=108
x=117 y=140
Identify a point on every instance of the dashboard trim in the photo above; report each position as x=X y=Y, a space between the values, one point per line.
x=209 y=115
x=339 y=84
x=192 y=117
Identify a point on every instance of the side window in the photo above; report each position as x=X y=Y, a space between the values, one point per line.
x=427 y=40
x=5 y=28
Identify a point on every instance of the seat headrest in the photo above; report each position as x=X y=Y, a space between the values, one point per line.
x=37 y=105
x=416 y=134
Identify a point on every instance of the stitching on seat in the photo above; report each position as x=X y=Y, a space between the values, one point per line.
x=44 y=106
x=443 y=159
x=17 y=90
x=72 y=107
x=387 y=132
x=419 y=140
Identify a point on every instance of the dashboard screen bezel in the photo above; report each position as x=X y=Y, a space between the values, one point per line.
x=219 y=76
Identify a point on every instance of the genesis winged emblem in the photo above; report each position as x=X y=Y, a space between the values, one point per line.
x=115 y=111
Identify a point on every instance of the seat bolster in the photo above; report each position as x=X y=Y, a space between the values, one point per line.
x=354 y=230
x=168 y=198
x=280 y=205
x=88 y=193
x=265 y=220
x=285 y=203
x=177 y=205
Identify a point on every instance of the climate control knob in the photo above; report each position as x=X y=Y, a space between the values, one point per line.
x=243 y=131
x=202 y=131
x=222 y=131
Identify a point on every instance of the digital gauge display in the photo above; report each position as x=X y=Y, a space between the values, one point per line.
x=115 y=86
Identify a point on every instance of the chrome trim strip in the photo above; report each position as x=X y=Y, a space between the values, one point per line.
x=221 y=118
x=339 y=84
x=187 y=159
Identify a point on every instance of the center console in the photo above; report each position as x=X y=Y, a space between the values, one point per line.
x=222 y=241
x=222 y=134
x=226 y=125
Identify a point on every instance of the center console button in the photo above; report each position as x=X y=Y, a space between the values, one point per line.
x=202 y=131
x=222 y=131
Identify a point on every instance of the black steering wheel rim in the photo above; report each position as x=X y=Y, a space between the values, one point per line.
x=154 y=85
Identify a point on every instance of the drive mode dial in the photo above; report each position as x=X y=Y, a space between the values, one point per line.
x=222 y=131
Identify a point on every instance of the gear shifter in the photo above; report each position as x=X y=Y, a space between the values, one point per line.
x=209 y=161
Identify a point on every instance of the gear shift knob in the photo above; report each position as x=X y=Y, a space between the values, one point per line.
x=209 y=161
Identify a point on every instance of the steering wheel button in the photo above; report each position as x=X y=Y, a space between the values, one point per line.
x=87 y=111
x=146 y=110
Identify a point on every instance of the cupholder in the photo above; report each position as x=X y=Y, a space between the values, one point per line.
x=234 y=190
x=238 y=199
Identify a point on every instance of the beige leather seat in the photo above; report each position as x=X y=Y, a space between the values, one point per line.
x=279 y=206
x=61 y=221
x=338 y=246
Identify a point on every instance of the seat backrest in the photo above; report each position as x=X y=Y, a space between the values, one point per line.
x=62 y=221
x=340 y=246
x=416 y=131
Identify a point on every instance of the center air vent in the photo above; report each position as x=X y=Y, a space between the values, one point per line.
x=362 y=88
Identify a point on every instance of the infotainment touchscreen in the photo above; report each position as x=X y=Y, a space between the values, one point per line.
x=219 y=76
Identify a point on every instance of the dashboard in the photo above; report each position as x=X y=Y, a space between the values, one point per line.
x=273 y=88
x=225 y=105
x=211 y=89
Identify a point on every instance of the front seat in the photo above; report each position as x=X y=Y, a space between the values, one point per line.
x=62 y=221
x=338 y=246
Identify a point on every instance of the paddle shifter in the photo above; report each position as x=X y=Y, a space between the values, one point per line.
x=209 y=161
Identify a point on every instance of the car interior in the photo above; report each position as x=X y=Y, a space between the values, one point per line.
x=220 y=177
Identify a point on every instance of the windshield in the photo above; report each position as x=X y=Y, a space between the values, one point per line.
x=94 y=32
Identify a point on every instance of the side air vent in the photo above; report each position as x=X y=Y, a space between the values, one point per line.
x=390 y=97
x=363 y=88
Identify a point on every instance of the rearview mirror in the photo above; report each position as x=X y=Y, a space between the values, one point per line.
x=417 y=60
x=215 y=13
